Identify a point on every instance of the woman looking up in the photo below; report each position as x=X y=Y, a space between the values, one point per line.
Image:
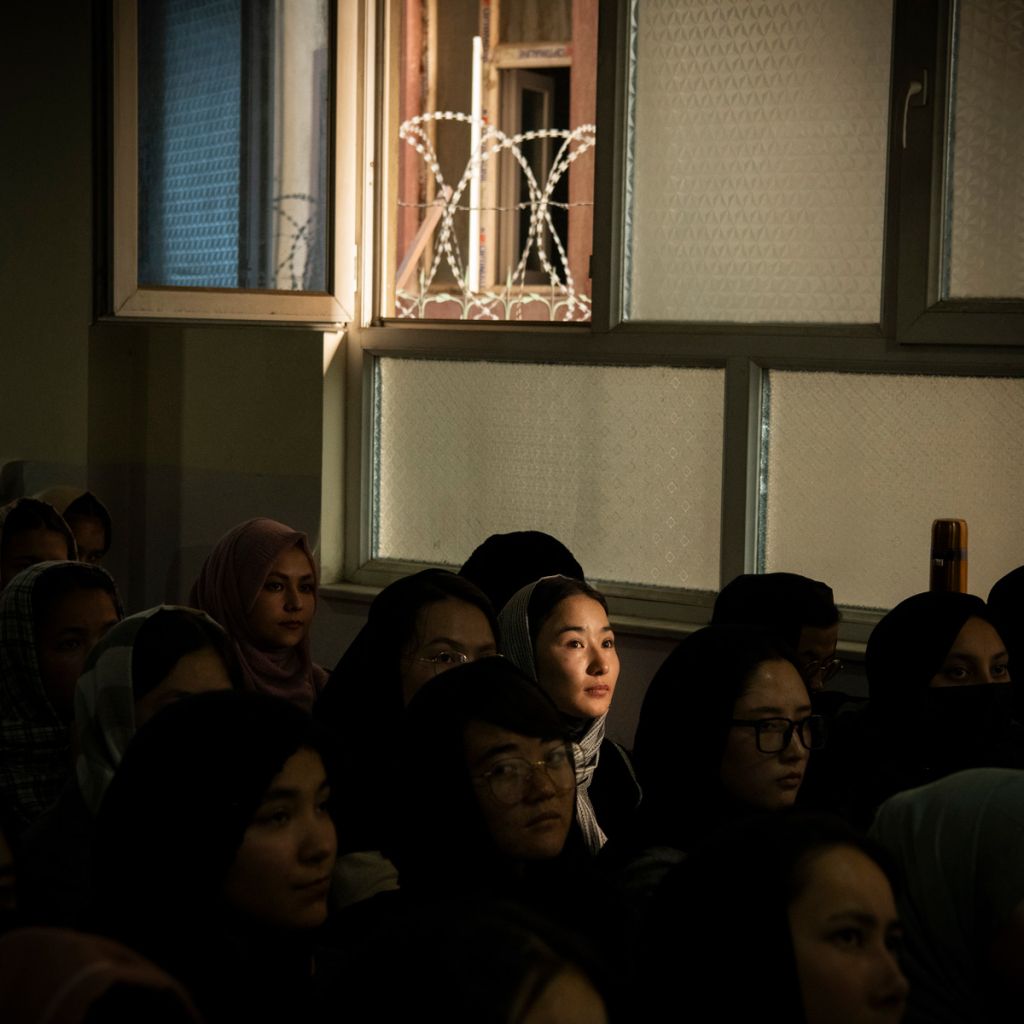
x=556 y=631
x=260 y=584
x=787 y=916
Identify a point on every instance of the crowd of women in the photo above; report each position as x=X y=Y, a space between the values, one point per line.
x=198 y=823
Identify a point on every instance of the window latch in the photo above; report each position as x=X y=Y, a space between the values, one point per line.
x=915 y=96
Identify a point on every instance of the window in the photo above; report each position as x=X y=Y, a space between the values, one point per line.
x=758 y=219
x=224 y=178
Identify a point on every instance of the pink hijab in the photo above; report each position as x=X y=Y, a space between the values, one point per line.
x=229 y=583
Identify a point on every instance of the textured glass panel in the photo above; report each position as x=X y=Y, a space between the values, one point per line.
x=233 y=143
x=859 y=465
x=622 y=464
x=987 y=152
x=759 y=160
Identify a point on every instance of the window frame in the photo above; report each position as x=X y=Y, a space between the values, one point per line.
x=745 y=351
x=127 y=299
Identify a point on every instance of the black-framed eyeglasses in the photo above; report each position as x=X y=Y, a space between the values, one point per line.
x=829 y=668
x=509 y=777
x=775 y=734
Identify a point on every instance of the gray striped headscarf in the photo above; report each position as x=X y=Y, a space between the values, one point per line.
x=516 y=645
x=105 y=704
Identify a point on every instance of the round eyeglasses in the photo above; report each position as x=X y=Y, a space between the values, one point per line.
x=775 y=734
x=825 y=669
x=508 y=778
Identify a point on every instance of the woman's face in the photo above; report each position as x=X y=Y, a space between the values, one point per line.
x=200 y=671
x=285 y=605
x=446 y=632
x=75 y=624
x=978 y=656
x=577 y=663
x=845 y=932
x=29 y=547
x=90 y=537
x=527 y=809
x=766 y=781
x=282 y=871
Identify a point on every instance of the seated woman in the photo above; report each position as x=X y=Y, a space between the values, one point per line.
x=556 y=631
x=788 y=917
x=32 y=531
x=87 y=517
x=725 y=730
x=489 y=793
x=260 y=584
x=940 y=702
x=418 y=627
x=142 y=664
x=959 y=843
x=51 y=615
x=213 y=855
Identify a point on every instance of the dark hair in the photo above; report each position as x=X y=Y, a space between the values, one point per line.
x=175 y=813
x=782 y=602
x=550 y=592
x=727 y=905
x=362 y=701
x=166 y=637
x=33 y=514
x=443 y=837
x=506 y=562
x=62 y=578
x=685 y=720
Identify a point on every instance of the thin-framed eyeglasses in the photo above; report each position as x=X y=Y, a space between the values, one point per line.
x=828 y=668
x=775 y=734
x=508 y=778
x=444 y=660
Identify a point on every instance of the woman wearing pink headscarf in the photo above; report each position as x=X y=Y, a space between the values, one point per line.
x=260 y=584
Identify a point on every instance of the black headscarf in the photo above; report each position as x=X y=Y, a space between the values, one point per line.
x=362 y=702
x=1006 y=606
x=172 y=821
x=913 y=733
x=781 y=602
x=507 y=562
x=445 y=848
x=683 y=726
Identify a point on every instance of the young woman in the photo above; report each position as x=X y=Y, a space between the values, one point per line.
x=87 y=517
x=142 y=664
x=726 y=729
x=417 y=628
x=260 y=584
x=51 y=615
x=214 y=849
x=941 y=701
x=556 y=631
x=32 y=531
x=786 y=916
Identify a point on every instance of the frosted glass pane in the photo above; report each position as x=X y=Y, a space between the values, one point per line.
x=623 y=464
x=859 y=465
x=759 y=142
x=987 y=152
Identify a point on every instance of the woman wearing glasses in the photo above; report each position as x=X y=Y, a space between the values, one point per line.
x=418 y=627
x=726 y=729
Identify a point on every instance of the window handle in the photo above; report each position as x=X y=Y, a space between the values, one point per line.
x=916 y=95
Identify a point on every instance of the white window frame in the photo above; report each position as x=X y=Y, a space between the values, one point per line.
x=745 y=351
x=129 y=299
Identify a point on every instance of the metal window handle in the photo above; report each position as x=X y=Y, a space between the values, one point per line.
x=916 y=95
